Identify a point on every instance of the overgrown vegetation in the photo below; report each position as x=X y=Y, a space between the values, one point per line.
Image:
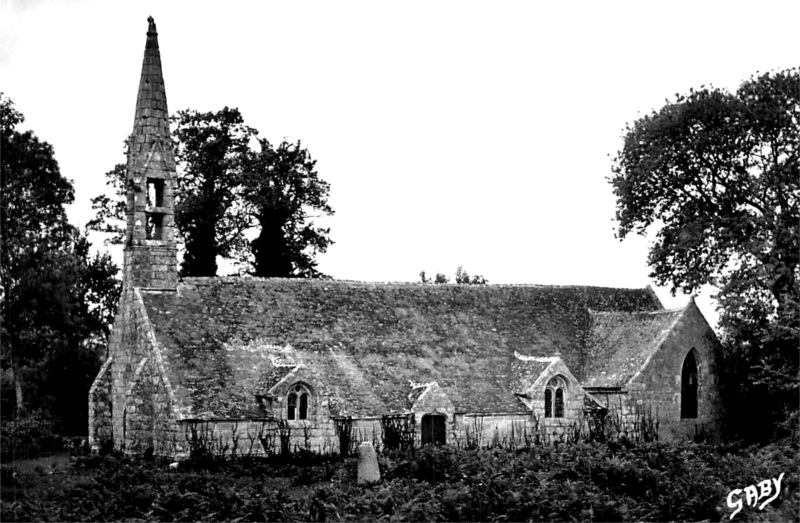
x=578 y=482
x=398 y=432
x=30 y=437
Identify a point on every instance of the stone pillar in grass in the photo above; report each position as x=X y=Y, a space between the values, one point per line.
x=368 y=471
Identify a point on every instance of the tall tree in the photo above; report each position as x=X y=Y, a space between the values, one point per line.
x=212 y=153
x=716 y=174
x=284 y=194
x=34 y=194
x=109 y=217
x=55 y=295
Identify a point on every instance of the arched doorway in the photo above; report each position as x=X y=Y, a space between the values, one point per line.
x=689 y=386
x=433 y=430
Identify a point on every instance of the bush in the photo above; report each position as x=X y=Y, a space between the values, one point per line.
x=29 y=438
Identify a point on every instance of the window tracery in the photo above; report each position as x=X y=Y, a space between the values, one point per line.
x=297 y=404
x=554 y=398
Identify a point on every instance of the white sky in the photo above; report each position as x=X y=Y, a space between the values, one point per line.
x=452 y=133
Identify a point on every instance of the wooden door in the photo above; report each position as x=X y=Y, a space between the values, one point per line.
x=433 y=430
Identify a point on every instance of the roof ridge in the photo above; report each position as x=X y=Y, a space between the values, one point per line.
x=630 y=313
x=659 y=342
x=233 y=279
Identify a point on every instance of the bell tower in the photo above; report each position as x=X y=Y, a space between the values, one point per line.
x=150 y=249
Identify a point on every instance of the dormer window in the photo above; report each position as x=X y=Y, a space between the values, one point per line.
x=297 y=403
x=554 y=398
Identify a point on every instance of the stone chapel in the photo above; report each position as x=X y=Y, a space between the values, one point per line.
x=259 y=362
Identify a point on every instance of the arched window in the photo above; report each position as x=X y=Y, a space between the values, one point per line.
x=303 y=406
x=548 y=403
x=689 y=386
x=292 y=410
x=554 y=398
x=559 y=403
x=297 y=403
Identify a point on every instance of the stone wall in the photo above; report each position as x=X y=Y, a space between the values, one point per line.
x=655 y=393
x=137 y=431
x=484 y=430
x=100 y=408
x=256 y=437
x=131 y=344
x=149 y=416
x=166 y=432
x=152 y=264
x=658 y=388
x=259 y=437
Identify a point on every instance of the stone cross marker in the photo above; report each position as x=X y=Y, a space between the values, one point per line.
x=368 y=471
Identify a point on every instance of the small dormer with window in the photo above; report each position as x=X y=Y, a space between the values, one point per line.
x=548 y=388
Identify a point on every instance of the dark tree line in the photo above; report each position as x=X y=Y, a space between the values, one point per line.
x=58 y=299
x=239 y=197
x=715 y=174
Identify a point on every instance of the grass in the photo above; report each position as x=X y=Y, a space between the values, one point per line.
x=27 y=478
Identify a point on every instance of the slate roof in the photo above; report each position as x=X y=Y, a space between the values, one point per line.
x=416 y=392
x=366 y=342
x=272 y=376
x=527 y=369
x=620 y=344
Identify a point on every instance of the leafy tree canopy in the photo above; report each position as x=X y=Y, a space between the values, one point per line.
x=109 y=211
x=718 y=172
x=283 y=194
x=212 y=153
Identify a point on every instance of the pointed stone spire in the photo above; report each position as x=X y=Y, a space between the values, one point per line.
x=152 y=118
x=150 y=250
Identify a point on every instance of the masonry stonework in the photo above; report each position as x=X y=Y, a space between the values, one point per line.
x=658 y=386
x=100 y=408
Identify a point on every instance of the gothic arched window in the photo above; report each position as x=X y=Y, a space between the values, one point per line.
x=303 y=414
x=548 y=402
x=689 y=386
x=297 y=403
x=554 y=396
x=559 y=403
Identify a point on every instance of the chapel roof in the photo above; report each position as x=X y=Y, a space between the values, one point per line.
x=621 y=343
x=367 y=342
